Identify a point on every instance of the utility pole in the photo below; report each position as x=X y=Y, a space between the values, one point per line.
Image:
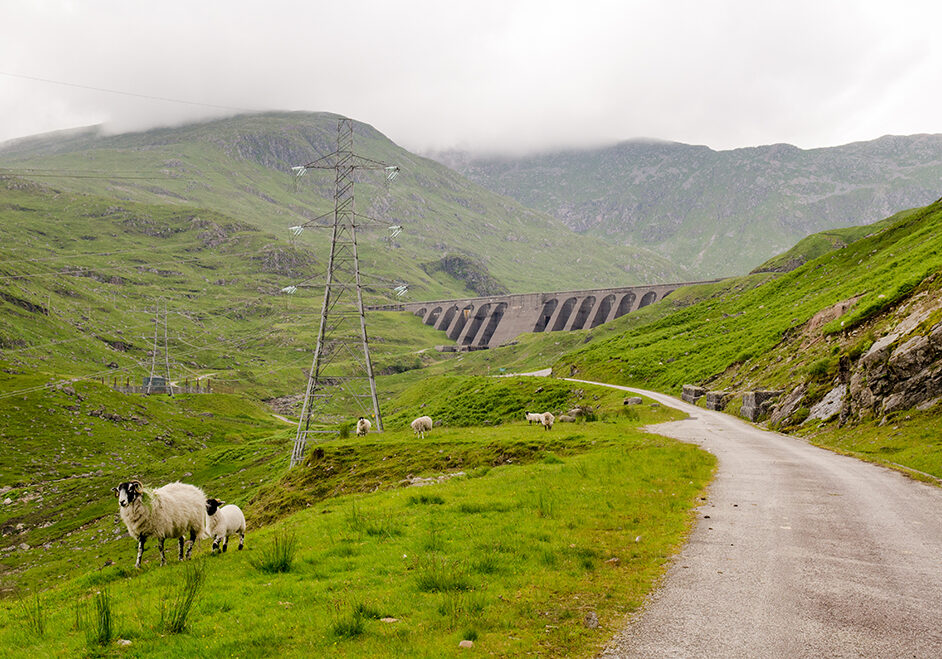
x=342 y=305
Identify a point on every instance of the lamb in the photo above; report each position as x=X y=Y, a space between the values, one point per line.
x=175 y=510
x=547 y=420
x=224 y=521
x=363 y=426
x=422 y=425
x=533 y=416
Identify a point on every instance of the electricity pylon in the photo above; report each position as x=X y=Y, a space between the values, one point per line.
x=339 y=310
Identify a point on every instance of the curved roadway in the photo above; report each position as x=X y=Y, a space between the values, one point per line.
x=797 y=552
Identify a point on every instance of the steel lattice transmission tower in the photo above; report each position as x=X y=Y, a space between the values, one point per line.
x=343 y=298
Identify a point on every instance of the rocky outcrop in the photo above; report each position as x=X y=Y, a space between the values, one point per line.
x=900 y=371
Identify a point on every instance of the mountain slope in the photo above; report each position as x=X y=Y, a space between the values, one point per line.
x=866 y=316
x=718 y=212
x=242 y=167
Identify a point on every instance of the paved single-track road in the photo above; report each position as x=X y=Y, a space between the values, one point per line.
x=797 y=552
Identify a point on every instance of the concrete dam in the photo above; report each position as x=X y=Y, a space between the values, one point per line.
x=486 y=322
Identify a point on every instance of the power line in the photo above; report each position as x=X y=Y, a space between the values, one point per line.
x=120 y=92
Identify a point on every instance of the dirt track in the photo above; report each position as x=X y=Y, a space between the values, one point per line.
x=797 y=552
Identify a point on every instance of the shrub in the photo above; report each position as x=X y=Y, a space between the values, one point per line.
x=819 y=368
x=800 y=415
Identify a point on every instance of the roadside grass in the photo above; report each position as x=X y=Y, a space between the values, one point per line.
x=512 y=558
x=908 y=439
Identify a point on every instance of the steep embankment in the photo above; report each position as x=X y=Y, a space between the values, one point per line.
x=241 y=166
x=720 y=212
x=853 y=335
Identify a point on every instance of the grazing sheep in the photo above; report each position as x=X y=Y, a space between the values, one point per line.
x=363 y=426
x=565 y=418
x=547 y=420
x=175 y=510
x=223 y=522
x=422 y=425
x=533 y=416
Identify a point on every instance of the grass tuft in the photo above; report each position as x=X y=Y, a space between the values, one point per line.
x=34 y=616
x=100 y=629
x=440 y=574
x=278 y=555
x=176 y=607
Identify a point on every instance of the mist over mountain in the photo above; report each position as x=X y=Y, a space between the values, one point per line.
x=716 y=212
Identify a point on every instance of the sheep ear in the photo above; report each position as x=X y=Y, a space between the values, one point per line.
x=115 y=490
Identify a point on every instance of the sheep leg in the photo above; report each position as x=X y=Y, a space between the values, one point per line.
x=189 y=550
x=225 y=543
x=160 y=547
x=180 y=555
x=241 y=539
x=216 y=544
x=140 y=550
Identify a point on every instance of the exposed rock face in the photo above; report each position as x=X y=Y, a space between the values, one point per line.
x=788 y=406
x=830 y=405
x=900 y=371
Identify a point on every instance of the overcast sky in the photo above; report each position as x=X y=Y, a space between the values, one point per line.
x=507 y=75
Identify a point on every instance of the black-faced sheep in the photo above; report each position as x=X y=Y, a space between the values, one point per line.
x=422 y=425
x=176 y=510
x=223 y=522
x=547 y=420
x=363 y=426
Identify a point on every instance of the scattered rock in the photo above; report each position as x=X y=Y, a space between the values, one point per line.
x=389 y=620
x=466 y=644
x=633 y=400
x=591 y=620
x=123 y=642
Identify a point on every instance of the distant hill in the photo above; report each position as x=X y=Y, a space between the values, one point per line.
x=241 y=167
x=716 y=212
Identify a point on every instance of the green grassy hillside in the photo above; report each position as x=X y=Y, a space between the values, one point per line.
x=524 y=536
x=242 y=167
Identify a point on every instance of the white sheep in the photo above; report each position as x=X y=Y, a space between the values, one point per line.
x=547 y=420
x=363 y=426
x=422 y=425
x=224 y=521
x=175 y=510
x=534 y=416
